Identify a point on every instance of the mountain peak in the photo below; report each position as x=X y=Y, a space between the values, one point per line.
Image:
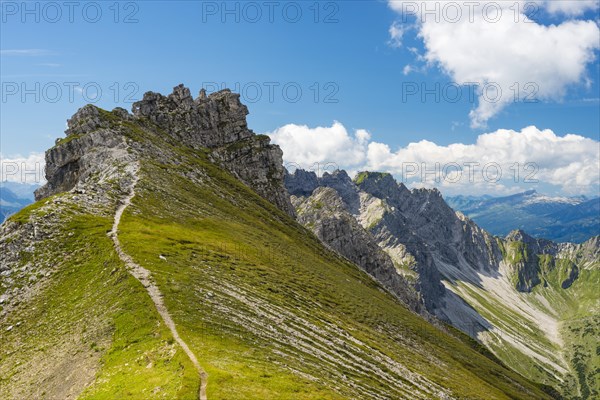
x=381 y=185
x=339 y=176
x=518 y=235
x=373 y=176
x=97 y=140
x=207 y=121
x=301 y=182
x=85 y=120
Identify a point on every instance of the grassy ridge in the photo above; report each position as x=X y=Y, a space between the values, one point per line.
x=269 y=312
x=91 y=318
x=220 y=234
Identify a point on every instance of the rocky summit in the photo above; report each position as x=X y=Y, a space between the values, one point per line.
x=216 y=122
x=171 y=256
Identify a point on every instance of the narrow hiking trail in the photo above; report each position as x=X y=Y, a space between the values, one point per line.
x=145 y=277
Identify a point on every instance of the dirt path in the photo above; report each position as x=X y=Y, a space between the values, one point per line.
x=145 y=277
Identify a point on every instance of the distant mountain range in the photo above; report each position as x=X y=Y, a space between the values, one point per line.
x=14 y=196
x=562 y=219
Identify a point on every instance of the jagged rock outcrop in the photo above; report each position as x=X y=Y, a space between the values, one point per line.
x=523 y=254
x=90 y=146
x=383 y=219
x=217 y=122
x=301 y=182
x=211 y=121
x=259 y=165
x=422 y=235
x=429 y=241
x=383 y=186
x=326 y=214
x=585 y=253
x=342 y=183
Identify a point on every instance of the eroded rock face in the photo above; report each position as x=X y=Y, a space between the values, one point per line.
x=382 y=186
x=584 y=254
x=531 y=260
x=217 y=122
x=523 y=258
x=259 y=165
x=326 y=214
x=417 y=230
x=428 y=243
x=90 y=146
x=301 y=182
x=211 y=121
x=421 y=233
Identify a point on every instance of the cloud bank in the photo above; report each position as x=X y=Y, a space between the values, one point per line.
x=498 y=162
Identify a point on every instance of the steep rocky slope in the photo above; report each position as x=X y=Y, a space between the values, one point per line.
x=417 y=229
x=154 y=237
x=518 y=295
x=328 y=217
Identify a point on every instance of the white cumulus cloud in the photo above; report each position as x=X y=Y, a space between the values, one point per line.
x=495 y=45
x=23 y=169
x=305 y=146
x=497 y=162
x=396 y=32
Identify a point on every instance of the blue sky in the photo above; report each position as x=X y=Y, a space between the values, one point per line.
x=340 y=54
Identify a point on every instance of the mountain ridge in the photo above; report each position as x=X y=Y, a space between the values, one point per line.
x=269 y=311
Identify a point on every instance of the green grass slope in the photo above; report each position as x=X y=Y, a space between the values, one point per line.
x=579 y=311
x=551 y=333
x=268 y=311
x=90 y=316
